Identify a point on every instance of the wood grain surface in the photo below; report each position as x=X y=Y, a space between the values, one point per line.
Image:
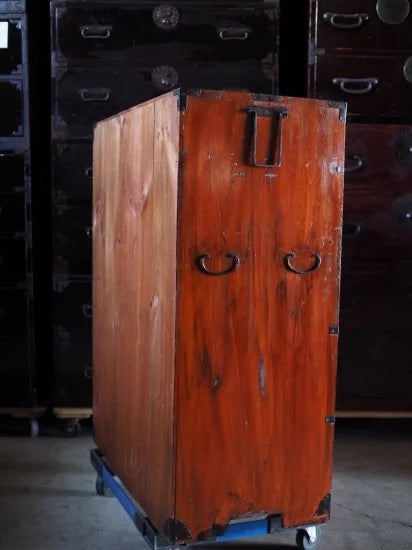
x=212 y=392
x=134 y=292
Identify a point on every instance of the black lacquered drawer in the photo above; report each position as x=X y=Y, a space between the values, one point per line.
x=72 y=234
x=11 y=45
x=12 y=262
x=377 y=226
x=11 y=108
x=374 y=87
x=84 y=96
x=72 y=307
x=73 y=174
x=14 y=348
x=378 y=159
x=12 y=213
x=12 y=172
x=364 y=25
x=170 y=32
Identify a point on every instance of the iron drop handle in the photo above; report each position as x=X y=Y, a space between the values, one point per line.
x=347 y=20
x=232 y=256
x=357 y=164
x=95 y=94
x=233 y=33
x=279 y=113
x=358 y=86
x=316 y=264
x=96 y=31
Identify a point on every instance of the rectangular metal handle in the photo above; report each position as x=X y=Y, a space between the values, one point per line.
x=274 y=159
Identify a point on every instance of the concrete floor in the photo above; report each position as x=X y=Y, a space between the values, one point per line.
x=47 y=498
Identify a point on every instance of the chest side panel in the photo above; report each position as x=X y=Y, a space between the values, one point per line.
x=135 y=167
x=256 y=353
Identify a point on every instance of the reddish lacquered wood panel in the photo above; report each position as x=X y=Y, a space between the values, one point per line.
x=256 y=348
x=134 y=265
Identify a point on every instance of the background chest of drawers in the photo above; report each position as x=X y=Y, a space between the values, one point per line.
x=107 y=56
x=361 y=52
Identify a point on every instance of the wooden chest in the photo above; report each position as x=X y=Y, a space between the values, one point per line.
x=217 y=234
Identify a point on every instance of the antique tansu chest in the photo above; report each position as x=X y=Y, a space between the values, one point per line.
x=216 y=259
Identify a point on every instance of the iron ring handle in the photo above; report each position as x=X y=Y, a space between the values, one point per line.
x=96 y=31
x=316 y=264
x=357 y=18
x=357 y=165
x=344 y=85
x=233 y=34
x=202 y=266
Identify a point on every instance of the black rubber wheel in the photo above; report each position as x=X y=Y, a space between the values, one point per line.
x=303 y=540
x=101 y=488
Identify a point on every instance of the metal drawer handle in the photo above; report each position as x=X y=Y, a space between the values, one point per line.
x=95 y=94
x=233 y=33
x=348 y=20
x=96 y=31
x=316 y=264
x=232 y=256
x=279 y=113
x=350 y=229
x=355 y=85
x=88 y=171
x=89 y=231
x=356 y=165
x=87 y=310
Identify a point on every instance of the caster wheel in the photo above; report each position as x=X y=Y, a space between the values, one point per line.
x=34 y=427
x=308 y=538
x=101 y=488
x=73 y=428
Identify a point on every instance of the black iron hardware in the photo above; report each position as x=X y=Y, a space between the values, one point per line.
x=392 y=12
x=346 y=20
x=316 y=264
x=404 y=147
x=87 y=310
x=274 y=160
x=357 y=86
x=407 y=70
x=165 y=17
x=95 y=94
x=353 y=163
x=351 y=229
x=88 y=172
x=89 y=232
x=96 y=31
x=165 y=77
x=231 y=255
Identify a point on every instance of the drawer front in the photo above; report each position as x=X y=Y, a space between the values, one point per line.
x=72 y=174
x=377 y=227
x=12 y=213
x=375 y=364
x=72 y=240
x=374 y=87
x=164 y=33
x=11 y=108
x=12 y=172
x=364 y=25
x=10 y=6
x=14 y=349
x=11 y=52
x=12 y=262
x=72 y=307
x=84 y=96
x=72 y=370
x=378 y=159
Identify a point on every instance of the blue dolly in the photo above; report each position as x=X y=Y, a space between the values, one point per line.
x=307 y=537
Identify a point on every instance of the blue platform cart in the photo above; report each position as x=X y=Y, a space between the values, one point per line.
x=307 y=537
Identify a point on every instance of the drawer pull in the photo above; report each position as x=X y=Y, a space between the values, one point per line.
x=87 y=310
x=346 y=20
x=350 y=229
x=95 y=94
x=274 y=160
x=202 y=266
x=96 y=31
x=316 y=264
x=355 y=85
x=353 y=163
x=88 y=171
x=233 y=33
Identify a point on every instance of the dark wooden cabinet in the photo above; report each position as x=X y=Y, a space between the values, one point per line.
x=109 y=55
x=215 y=305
